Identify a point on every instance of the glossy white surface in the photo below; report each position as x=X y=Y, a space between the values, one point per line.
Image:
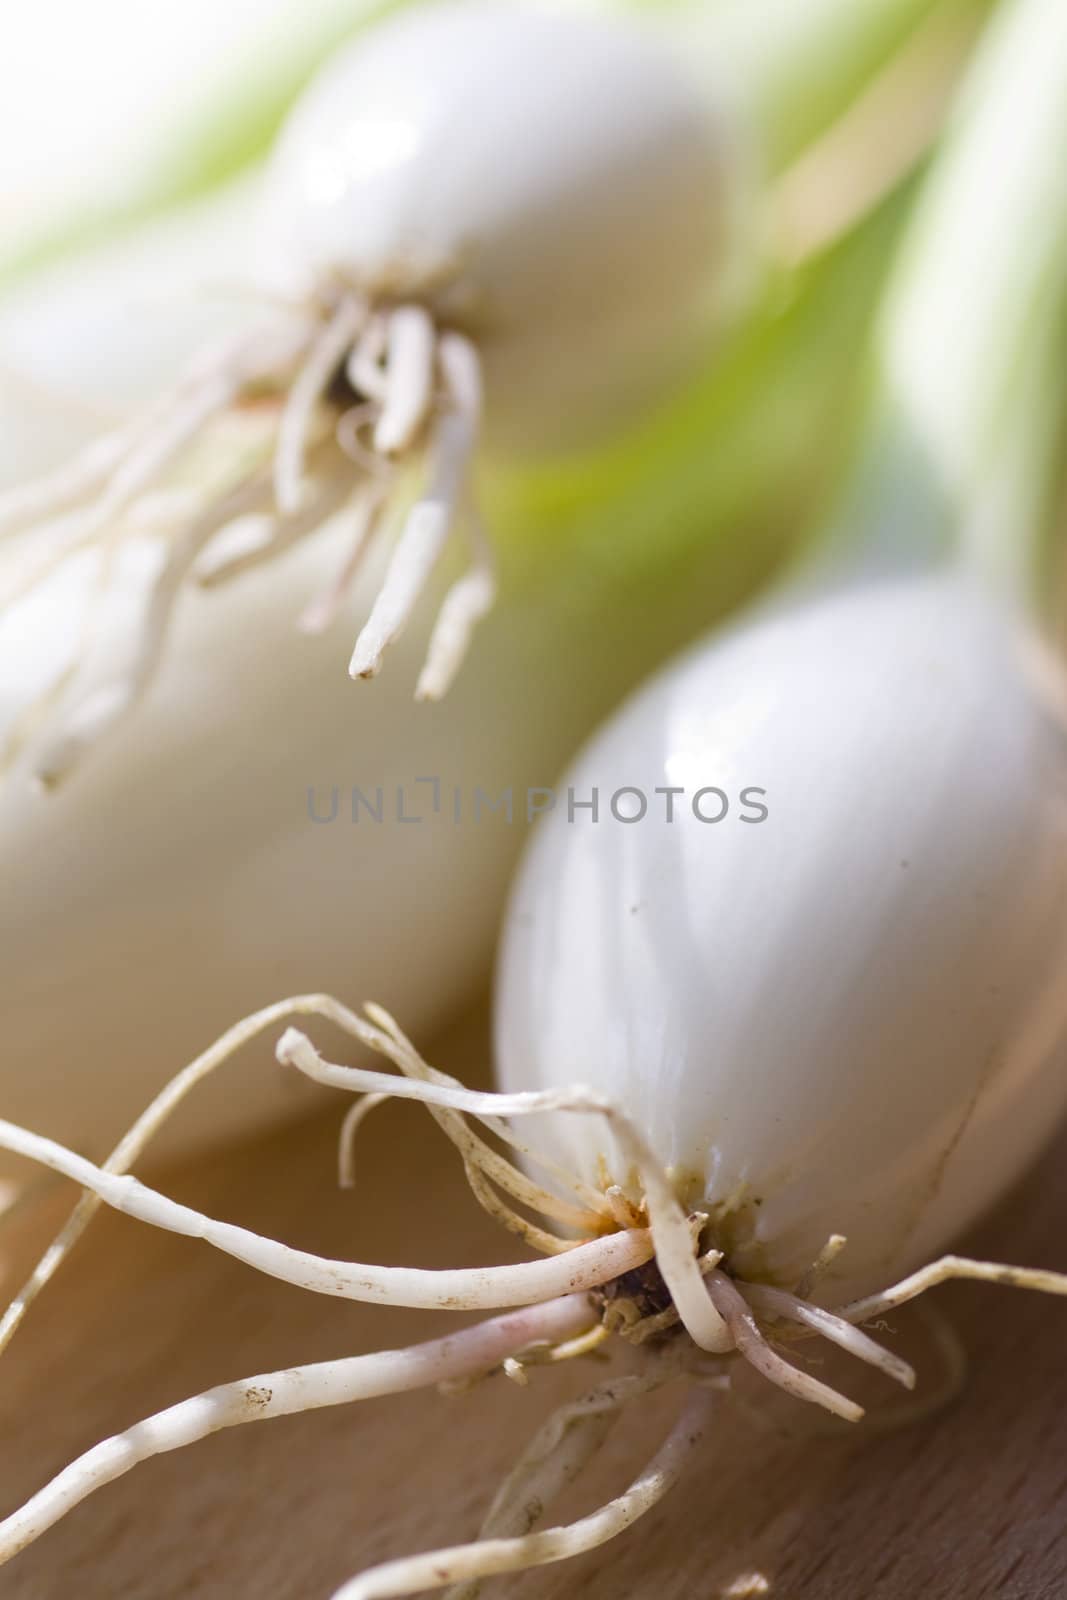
x=848 y=1017
x=548 y=179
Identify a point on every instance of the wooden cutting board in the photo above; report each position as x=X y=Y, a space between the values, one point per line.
x=970 y=1503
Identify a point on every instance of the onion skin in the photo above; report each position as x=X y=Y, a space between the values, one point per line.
x=848 y=1019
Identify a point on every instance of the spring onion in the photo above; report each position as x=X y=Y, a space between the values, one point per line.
x=737 y=1036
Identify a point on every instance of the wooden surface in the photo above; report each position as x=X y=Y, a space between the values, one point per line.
x=969 y=1504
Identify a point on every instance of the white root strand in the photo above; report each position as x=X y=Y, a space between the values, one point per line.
x=671 y=1234
x=462 y=371
x=944 y=1271
x=468 y=1353
x=442 y=1096
x=483 y=1559
x=294 y=1049
x=751 y=1344
x=273 y=536
x=779 y=1303
x=470 y=598
x=409 y=379
x=555 y=1458
x=495 y=1206
x=455 y=1289
x=364 y=369
x=68 y=487
x=96 y=468
x=348 y=433
x=829 y=1253
x=418 y=549
x=594 y=1211
x=327 y=352
x=99 y=709
x=147 y=452
x=353 y=1121
x=159 y=447
x=473 y=595
x=241 y=544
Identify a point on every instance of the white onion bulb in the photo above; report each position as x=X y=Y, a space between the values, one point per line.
x=478 y=220
x=847 y=1018
x=551 y=182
